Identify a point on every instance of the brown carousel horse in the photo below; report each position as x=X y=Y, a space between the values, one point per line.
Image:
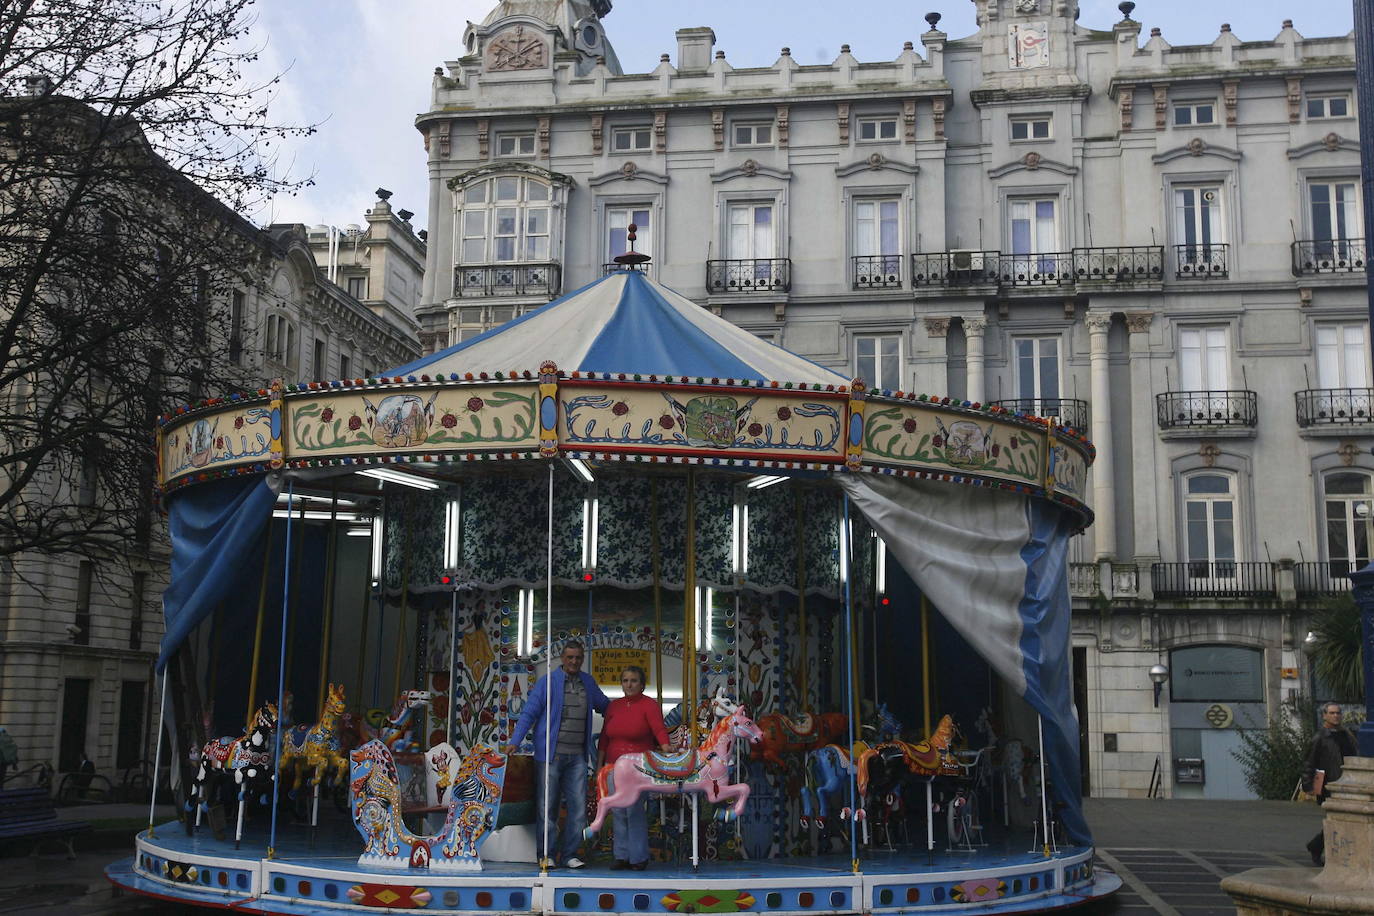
x=783 y=735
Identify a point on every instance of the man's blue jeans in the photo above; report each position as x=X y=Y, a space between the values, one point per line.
x=567 y=785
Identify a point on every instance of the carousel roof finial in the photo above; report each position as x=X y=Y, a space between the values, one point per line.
x=632 y=259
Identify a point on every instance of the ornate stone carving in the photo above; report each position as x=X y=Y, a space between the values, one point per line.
x=1161 y=106
x=909 y=119
x=750 y=168
x=1031 y=161
x=1125 y=103
x=876 y=161
x=660 y=131
x=938 y=113
x=1332 y=141
x=629 y=170
x=515 y=50
x=598 y=125
x=1209 y=452
x=718 y=128
x=937 y=327
x=842 y=119
x=1230 y=97
x=484 y=138
x=1196 y=147
x=1027 y=6
x=1294 y=95
x=1348 y=451
x=445 y=132
x=544 y=129
x=974 y=327
x=1098 y=322
x=1139 y=322
x=783 y=111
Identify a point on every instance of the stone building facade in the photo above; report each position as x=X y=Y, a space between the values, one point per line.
x=1162 y=245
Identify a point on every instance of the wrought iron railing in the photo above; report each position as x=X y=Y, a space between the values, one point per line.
x=1328 y=256
x=1135 y=263
x=1331 y=578
x=1070 y=411
x=1206 y=409
x=1335 y=406
x=955 y=268
x=749 y=275
x=645 y=268
x=1200 y=262
x=877 y=271
x=1050 y=268
x=1213 y=579
x=475 y=280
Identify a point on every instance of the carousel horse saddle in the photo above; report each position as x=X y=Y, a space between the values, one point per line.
x=677 y=765
x=803 y=726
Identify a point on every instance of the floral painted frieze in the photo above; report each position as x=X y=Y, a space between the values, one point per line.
x=440 y=418
x=239 y=436
x=795 y=426
x=982 y=445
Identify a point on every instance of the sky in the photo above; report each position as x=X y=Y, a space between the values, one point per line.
x=360 y=69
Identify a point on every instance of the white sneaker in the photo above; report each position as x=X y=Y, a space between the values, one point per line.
x=574 y=862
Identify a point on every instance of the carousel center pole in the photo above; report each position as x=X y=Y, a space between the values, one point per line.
x=853 y=698
x=548 y=681
x=157 y=757
x=805 y=685
x=281 y=661
x=329 y=571
x=257 y=634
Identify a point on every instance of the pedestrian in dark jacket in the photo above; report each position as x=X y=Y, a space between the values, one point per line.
x=1323 y=765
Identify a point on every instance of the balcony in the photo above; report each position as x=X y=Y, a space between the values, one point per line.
x=1323 y=579
x=877 y=271
x=1220 y=579
x=473 y=281
x=748 y=275
x=955 y=268
x=1050 y=268
x=1208 y=411
x=1131 y=264
x=1338 y=408
x=1069 y=411
x=1200 y=262
x=1328 y=256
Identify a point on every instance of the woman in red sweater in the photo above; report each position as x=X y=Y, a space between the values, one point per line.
x=634 y=724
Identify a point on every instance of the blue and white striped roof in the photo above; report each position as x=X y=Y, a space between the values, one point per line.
x=627 y=323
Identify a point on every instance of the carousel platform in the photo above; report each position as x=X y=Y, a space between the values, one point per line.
x=325 y=877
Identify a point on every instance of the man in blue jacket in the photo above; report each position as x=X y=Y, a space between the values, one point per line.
x=561 y=750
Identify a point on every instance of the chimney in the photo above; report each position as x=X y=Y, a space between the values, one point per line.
x=694 y=48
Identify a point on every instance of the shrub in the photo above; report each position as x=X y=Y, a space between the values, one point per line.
x=1272 y=757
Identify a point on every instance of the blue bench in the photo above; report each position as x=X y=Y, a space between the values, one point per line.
x=30 y=814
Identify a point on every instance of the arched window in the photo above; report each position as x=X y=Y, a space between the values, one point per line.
x=1349 y=521
x=505 y=220
x=1209 y=506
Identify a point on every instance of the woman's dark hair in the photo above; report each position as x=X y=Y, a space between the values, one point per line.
x=643 y=678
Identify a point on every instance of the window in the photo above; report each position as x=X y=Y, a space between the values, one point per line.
x=1037 y=371
x=1329 y=105
x=877 y=242
x=618 y=222
x=1209 y=512
x=632 y=139
x=1193 y=113
x=280 y=340
x=1349 y=521
x=357 y=287
x=317 y=366
x=85 y=571
x=345 y=365
x=754 y=134
x=138 y=590
x=1336 y=218
x=1203 y=359
x=1034 y=231
x=477 y=319
x=236 y=328
x=90 y=474
x=750 y=234
x=878 y=360
x=129 y=747
x=877 y=129
x=1030 y=127
x=1341 y=359
x=505 y=219
x=515 y=145
x=76 y=706
x=1198 y=227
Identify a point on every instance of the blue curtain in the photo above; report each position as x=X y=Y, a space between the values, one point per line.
x=213 y=528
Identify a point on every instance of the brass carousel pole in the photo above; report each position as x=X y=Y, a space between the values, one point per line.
x=925 y=664
x=401 y=620
x=257 y=633
x=295 y=599
x=801 y=607
x=689 y=609
x=328 y=610
x=658 y=592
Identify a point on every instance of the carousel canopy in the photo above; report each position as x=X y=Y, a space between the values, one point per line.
x=627 y=323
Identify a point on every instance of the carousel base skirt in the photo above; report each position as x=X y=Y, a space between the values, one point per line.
x=324 y=877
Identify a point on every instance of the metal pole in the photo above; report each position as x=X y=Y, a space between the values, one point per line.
x=452 y=660
x=257 y=634
x=689 y=623
x=1045 y=832
x=805 y=698
x=548 y=682
x=852 y=700
x=157 y=758
x=281 y=661
x=330 y=571
x=1364 y=83
x=658 y=591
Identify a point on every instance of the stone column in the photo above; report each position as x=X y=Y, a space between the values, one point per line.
x=1146 y=501
x=973 y=335
x=1104 y=483
x=932 y=373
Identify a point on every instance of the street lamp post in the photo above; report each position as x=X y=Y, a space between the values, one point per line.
x=1364 y=82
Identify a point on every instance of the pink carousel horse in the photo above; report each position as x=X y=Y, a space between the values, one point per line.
x=705 y=769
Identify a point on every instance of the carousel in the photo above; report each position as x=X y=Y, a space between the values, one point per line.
x=852 y=606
